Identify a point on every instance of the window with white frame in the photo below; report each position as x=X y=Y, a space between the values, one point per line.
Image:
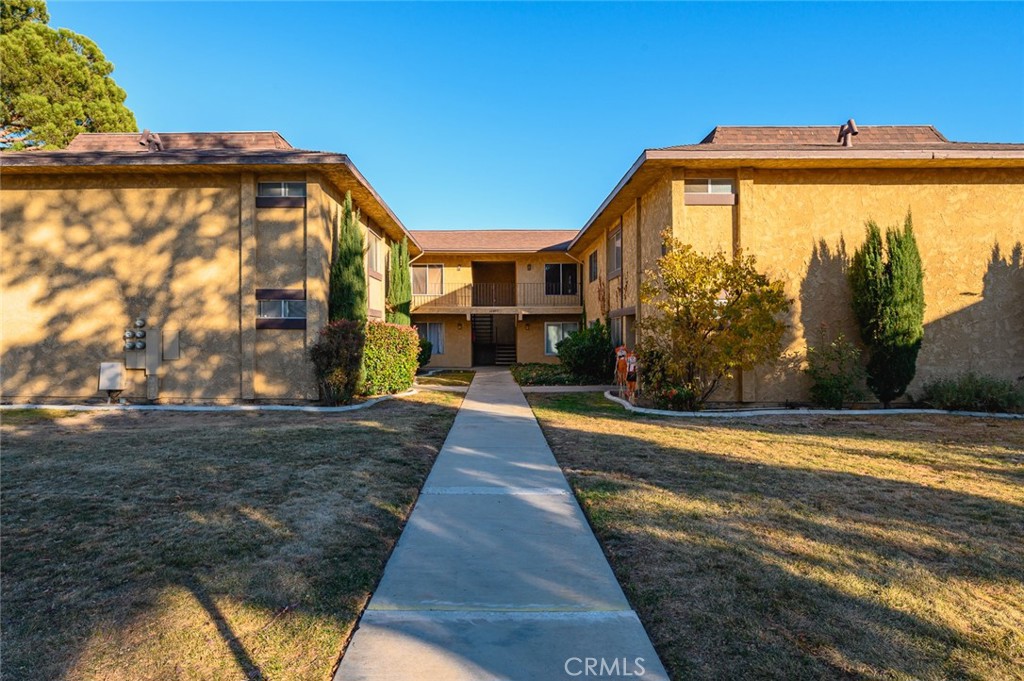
x=592 y=266
x=706 y=185
x=427 y=279
x=281 y=189
x=615 y=253
x=560 y=279
x=555 y=333
x=282 y=309
x=433 y=332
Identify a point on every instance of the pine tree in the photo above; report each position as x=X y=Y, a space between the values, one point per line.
x=399 y=284
x=888 y=302
x=57 y=83
x=348 y=299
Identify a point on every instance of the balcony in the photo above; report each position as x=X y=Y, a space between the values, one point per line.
x=505 y=298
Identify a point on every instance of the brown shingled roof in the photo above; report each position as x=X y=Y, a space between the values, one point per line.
x=175 y=141
x=494 y=240
x=880 y=135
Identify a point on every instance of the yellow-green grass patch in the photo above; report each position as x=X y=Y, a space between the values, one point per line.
x=156 y=545
x=866 y=547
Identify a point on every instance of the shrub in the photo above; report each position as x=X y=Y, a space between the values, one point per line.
x=337 y=356
x=712 y=316
x=888 y=302
x=836 y=372
x=426 y=351
x=390 y=358
x=973 y=392
x=588 y=353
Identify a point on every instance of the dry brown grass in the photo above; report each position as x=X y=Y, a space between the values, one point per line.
x=808 y=547
x=202 y=546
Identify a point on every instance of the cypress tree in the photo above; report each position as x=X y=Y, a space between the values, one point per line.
x=888 y=302
x=399 y=284
x=348 y=297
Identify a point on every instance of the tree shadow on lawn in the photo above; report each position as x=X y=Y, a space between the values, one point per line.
x=156 y=546
x=746 y=569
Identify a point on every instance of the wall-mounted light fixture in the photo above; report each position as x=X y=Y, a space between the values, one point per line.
x=529 y=266
x=527 y=327
x=459 y=326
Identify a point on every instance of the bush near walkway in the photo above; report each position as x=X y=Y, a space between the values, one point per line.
x=588 y=354
x=973 y=392
x=390 y=358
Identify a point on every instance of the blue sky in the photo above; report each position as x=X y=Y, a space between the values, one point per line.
x=526 y=115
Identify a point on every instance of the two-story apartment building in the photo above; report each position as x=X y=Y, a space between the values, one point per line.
x=495 y=296
x=221 y=242
x=798 y=199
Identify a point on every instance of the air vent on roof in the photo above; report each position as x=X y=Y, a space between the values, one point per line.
x=151 y=141
x=846 y=132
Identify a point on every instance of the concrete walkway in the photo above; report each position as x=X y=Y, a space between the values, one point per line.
x=497 y=574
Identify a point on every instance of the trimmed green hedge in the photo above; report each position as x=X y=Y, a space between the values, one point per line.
x=390 y=358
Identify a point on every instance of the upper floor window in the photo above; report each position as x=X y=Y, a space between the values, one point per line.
x=280 y=194
x=281 y=189
x=560 y=279
x=709 y=186
x=427 y=279
x=710 y=192
x=592 y=267
x=373 y=254
x=615 y=253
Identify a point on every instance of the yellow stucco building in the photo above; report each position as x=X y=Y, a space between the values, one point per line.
x=221 y=242
x=798 y=199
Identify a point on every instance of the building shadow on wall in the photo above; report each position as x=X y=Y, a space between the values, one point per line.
x=986 y=335
x=825 y=294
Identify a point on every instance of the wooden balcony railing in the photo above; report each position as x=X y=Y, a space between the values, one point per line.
x=496 y=295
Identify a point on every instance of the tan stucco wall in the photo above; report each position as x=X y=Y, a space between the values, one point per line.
x=803 y=225
x=82 y=256
x=708 y=228
x=530 y=341
x=458 y=342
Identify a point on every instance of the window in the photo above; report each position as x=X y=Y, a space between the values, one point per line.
x=560 y=279
x=282 y=309
x=709 y=186
x=592 y=267
x=427 y=279
x=615 y=326
x=280 y=194
x=615 y=253
x=278 y=189
x=555 y=333
x=433 y=332
x=373 y=254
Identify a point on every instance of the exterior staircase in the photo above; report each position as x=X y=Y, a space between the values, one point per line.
x=504 y=355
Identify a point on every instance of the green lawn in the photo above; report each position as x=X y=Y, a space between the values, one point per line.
x=450 y=377
x=808 y=547
x=544 y=374
x=147 y=545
